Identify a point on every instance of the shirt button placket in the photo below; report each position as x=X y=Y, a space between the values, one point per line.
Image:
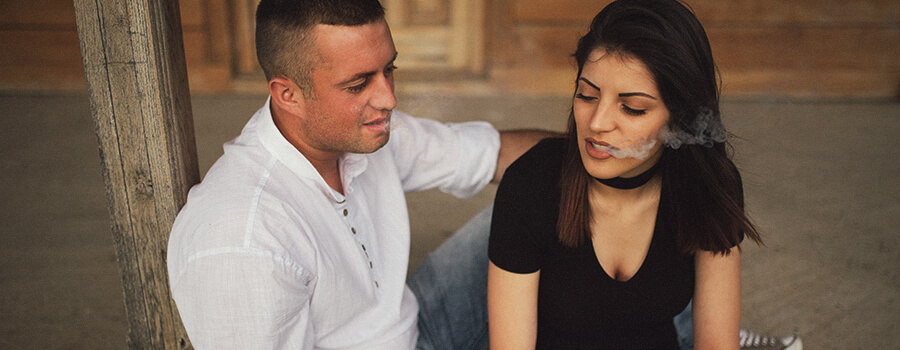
x=346 y=213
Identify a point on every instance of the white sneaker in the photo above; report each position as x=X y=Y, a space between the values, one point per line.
x=751 y=340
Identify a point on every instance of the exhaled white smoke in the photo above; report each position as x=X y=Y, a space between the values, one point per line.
x=637 y=148
x=706 y=131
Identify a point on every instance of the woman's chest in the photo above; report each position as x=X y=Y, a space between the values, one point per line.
x=575 y=290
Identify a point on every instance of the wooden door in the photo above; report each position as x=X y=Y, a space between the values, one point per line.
x=434 y=38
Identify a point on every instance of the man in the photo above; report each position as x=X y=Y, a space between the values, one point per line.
x=298 y=237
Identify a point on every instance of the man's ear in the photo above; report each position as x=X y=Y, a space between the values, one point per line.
x=287 y=95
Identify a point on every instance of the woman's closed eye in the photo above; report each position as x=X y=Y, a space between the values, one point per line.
x=584 y=97
x=633 y=111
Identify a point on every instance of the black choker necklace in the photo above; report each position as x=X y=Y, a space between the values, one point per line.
x=631 y=182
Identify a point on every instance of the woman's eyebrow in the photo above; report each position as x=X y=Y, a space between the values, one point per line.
x=624 y=94
x=589 y=83
x=629 y=94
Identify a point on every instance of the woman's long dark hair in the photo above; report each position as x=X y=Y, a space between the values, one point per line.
x=701 y=187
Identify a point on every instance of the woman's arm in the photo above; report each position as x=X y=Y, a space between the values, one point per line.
x=512 y=309
x=717 y=300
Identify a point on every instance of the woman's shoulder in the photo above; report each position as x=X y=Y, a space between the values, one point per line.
x=542 y=160
x=535 y=175
x=548 y=147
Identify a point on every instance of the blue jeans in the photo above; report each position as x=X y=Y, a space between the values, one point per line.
x=684 y=326
x=451 y=288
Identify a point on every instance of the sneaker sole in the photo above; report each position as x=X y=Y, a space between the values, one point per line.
x=797 y=344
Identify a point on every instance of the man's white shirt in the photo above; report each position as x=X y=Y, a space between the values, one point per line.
x=266 y=255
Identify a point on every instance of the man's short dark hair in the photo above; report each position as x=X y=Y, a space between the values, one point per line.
x=284 y=46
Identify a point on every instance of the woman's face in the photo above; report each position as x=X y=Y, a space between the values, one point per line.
x=618 y=116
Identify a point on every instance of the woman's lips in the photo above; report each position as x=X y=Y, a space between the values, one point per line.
x=598 y=149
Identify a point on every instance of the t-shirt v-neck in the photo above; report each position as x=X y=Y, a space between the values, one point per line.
x=580 y=306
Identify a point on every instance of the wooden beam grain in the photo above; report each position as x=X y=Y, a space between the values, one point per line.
x=134 y=64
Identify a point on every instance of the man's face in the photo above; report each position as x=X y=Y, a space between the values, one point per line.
x=352 y=97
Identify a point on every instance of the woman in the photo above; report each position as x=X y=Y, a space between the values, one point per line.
x=600 y=238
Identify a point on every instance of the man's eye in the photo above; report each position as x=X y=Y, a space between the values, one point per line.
x=359 y=87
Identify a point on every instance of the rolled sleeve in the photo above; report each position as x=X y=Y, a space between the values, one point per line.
x=459 y=159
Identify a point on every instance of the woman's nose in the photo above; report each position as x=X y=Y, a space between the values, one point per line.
x=603 y=118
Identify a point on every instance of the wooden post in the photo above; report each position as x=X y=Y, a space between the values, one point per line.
x=134 y=63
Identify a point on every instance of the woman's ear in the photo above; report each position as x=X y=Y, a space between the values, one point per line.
x=287 y=95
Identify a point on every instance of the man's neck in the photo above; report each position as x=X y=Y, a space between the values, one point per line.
x=331 y=174
x=326 y=163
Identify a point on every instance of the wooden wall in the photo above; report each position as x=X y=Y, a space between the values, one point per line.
x=805 y=48
x=799 y=48
x=39 y=48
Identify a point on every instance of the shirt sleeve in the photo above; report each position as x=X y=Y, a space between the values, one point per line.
x=526 y=207
x=459 y=159
x=244 y=299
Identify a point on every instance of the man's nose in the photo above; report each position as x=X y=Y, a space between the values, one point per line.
x=384 y=93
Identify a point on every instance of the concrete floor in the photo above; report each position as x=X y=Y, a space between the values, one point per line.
x=821 y=180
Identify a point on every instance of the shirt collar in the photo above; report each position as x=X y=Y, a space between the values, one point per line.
x=351 y=165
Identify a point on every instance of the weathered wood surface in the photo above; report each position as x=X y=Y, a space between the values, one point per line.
x=800 y=48
x=134 y=63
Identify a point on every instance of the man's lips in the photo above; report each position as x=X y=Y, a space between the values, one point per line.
x=378 y=121
x=380 y=124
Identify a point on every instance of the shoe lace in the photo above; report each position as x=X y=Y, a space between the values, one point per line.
x=749 y=338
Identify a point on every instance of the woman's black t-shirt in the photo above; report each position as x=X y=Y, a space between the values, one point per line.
x=579 y=305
